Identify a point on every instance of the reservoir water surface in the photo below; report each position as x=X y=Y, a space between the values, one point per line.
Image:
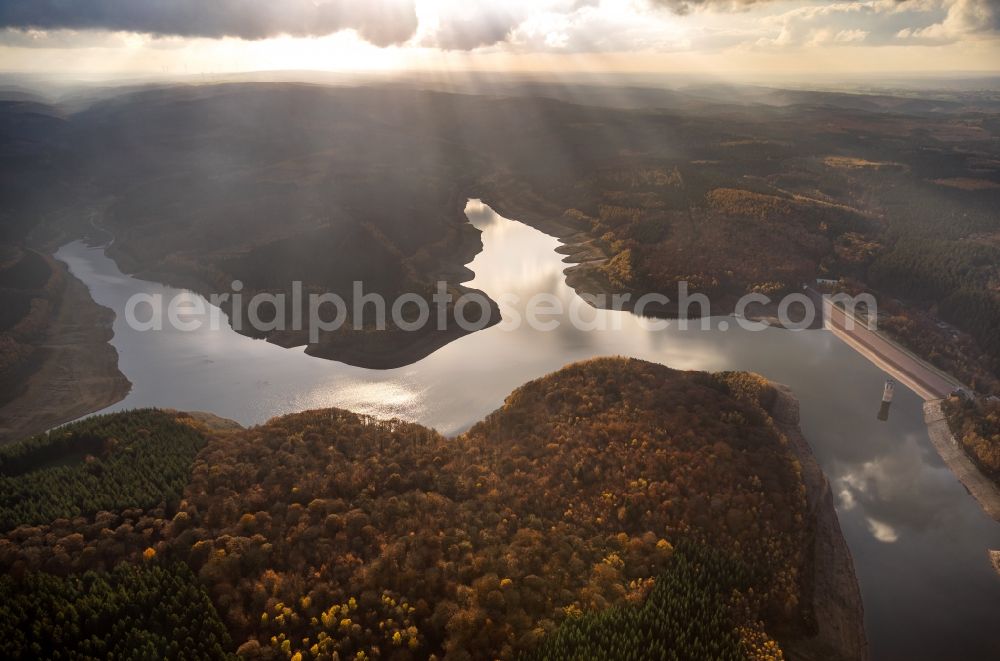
x=918 y=539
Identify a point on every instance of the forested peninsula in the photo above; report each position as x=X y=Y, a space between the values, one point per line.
x=614 y=508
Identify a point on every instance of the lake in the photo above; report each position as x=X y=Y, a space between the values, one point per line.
x=918 y=539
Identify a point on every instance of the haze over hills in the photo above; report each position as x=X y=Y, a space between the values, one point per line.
x=266 y=268
x=614 y=506
x=731 y=189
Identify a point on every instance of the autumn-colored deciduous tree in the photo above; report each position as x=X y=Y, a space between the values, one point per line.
x=329 y=533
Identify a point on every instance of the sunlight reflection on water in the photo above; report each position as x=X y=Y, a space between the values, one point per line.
x=918 y=539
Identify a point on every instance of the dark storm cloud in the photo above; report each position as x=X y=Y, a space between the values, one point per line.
x=476 y=26
x=965 y=16
x=989 y=13
x=381 y=22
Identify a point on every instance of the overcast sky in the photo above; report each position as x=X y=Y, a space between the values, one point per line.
x=761 y=36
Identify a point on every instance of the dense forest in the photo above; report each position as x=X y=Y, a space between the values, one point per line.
x=737 y=200
x=31 y=287
x=566 y=500
x=956 y=278
x=903 y=207
x=108 y=462
x=614 y=492
x=722 y=241
x=976 y=425
x=272 y=183
x=134 y=612
x=689 y=222
x=689 y=608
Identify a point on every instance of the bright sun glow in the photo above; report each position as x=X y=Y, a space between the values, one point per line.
x=784 y=36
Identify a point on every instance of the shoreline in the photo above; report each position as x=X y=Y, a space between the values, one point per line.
x=392 y=348
x=837 y=602
x=583 y=258
x=926 y=380
x=80 y=340
x=78 y=374
x=64 y=369
x=984 y=490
